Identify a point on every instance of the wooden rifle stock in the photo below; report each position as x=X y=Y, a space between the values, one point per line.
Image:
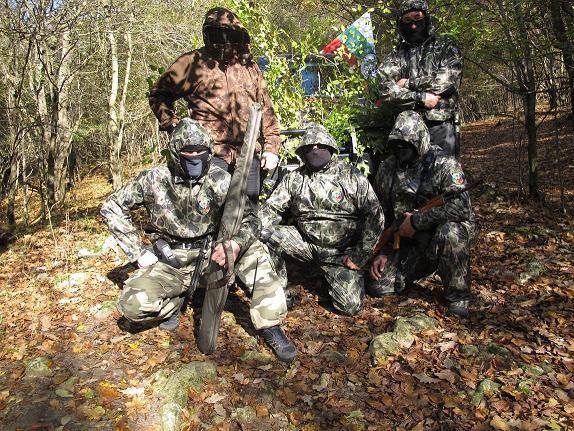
x=393 y=229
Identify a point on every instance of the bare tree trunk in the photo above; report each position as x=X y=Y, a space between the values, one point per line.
x=116 y=111
x=565 y=45
x=60 y=133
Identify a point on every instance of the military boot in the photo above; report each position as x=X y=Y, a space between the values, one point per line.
x=172 y=323
x=278 y=341
x=459 y=309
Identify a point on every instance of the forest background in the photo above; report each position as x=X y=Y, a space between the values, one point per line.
x=75 y=76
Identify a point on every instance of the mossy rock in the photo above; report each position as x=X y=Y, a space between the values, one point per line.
x=39 y=367
x=382 y=347
x=172 y=390
x=486 y=388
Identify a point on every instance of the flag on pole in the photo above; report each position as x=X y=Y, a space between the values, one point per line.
x=357 y=41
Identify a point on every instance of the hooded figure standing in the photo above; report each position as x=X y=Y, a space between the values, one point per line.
x=436 y=240
x=337 y=218
x=220 y=82
x=423 y=73
x=184 y=202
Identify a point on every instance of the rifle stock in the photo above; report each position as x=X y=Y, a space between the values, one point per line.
x=392 y=230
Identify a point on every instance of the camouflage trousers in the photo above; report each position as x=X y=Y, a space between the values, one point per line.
x=346 y=287
x=156 y=292
x=445 y=251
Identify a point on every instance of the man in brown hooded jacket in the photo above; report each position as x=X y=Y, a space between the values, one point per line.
x=219 y=82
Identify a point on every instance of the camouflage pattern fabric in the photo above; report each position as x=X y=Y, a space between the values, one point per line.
x=434 y=66
x=218 y=94
x=346 y=287
x=334 y=208
x=257 y=271
x=336 y=213
x=316 y=134
x=444 y=234
x=156 y=292
x=447 y=253
x=178 y=209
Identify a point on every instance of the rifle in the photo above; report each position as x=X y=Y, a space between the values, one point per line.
x=218 y=280
x=197 y=269
x=393 y=230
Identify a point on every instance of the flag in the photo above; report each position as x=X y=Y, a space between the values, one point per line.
x=357 y=41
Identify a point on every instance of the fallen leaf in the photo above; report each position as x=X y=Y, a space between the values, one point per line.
x=215 y=398
x=447 y=375
x=500 y=424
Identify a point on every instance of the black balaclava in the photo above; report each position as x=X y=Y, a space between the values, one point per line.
x=316 y=158
x=194 y=166
x=417 y=35
x=405 y=153
x=227 y=44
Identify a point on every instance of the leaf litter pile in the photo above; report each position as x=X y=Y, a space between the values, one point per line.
x=66 y=364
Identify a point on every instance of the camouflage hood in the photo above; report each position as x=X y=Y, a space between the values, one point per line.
x=187 y=132
x=410 y=5
x=411 y=128
x=220 y=17
x=316 y=134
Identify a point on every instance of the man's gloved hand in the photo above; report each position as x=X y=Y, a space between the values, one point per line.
x=147 y=259
x=219 y=257
x=269 y=160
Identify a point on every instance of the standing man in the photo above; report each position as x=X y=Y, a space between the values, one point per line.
x=337 y=218
x=219 y=82
x=436 y=240
x=184 y=201
x=424 y=73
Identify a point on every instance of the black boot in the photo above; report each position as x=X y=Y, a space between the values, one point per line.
x=278 y=341
x=172 y=323
x=459 y=309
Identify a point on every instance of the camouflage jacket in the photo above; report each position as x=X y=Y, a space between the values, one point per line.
x=402 y=190
x=434 y=66
x=177 y=210
x=333 y=208
x=218 y=95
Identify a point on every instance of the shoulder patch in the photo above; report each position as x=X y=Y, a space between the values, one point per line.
x=457 y=178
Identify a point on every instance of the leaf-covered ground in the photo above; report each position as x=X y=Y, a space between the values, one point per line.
x=65 y=363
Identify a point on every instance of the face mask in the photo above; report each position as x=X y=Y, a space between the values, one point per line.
x=194 y=166
x=415 y=35
x=405 y=153
x=317 y=158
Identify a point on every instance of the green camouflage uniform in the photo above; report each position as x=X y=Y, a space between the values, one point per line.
x=444 y=234
x=434 y=66
x=336 y=213
x=181 y=212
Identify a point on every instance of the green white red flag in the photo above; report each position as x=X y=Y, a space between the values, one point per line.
x=357 y=41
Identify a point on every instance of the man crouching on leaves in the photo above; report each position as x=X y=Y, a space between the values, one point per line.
x=435 y=240
x=184 y=201
x=337 y=218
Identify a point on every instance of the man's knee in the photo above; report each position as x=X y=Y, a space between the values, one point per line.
x=452 y=237
x=145 y=299
x=349 y=303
